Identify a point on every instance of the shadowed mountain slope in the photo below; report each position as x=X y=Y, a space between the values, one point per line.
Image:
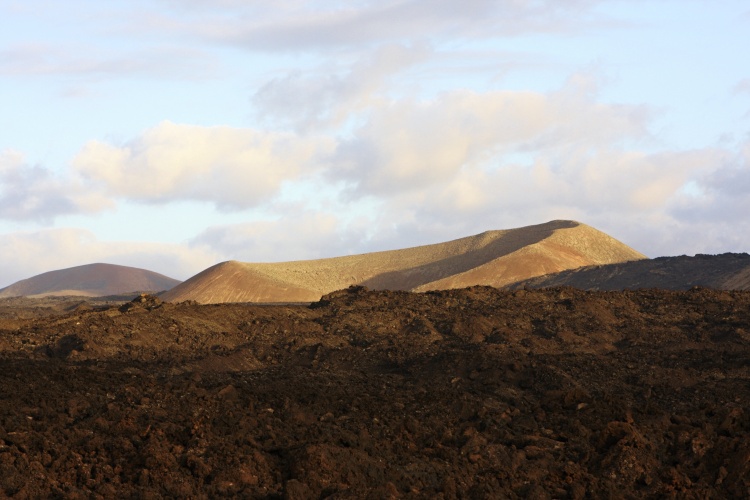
x=92 y=280
x=729 y=271
x=493 y=258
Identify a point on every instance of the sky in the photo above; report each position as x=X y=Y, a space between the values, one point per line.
x=175 y=134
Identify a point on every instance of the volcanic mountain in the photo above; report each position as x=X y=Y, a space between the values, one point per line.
x=729 y=271
x=92 y=280
x=494 y=258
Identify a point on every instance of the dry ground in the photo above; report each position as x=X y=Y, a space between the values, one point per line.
x=473 y=393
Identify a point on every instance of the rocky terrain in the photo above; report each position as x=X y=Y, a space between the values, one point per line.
x=469 y=393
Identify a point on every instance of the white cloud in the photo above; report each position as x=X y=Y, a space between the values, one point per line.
x=312 y=25
x=721 y=195
x=229 y=167
x=463 y=162
x=26 y=254
x=666 y=203
x=165 y=62
x=35 y=193
x=460 y=163
x=325 y=98
x=410 y=145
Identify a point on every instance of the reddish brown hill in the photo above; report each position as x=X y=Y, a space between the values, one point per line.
x=493 y=258
x=93 y=280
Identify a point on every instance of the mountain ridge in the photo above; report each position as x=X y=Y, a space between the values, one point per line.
x=90 y=280
x=495 y=258
x=727 y=271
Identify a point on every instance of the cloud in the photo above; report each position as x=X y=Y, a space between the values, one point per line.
x=311 y=25
x=722 y=194
x=612 y=185
x=26 y=254
x=166 y=62
x=325 y=98
x=35 y=193
x=462 y=162
x=465 y=162
x=229 y=167
x=743 y=86
x=410 y=145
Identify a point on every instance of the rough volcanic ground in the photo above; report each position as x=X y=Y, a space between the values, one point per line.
x=474 y=393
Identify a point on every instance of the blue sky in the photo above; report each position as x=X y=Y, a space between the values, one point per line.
x=172 y=135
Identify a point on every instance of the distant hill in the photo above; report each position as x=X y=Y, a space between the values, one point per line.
x=494 y=258
x=92 y=280
x=729 y=271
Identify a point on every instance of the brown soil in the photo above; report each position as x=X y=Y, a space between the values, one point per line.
x=473 y=393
